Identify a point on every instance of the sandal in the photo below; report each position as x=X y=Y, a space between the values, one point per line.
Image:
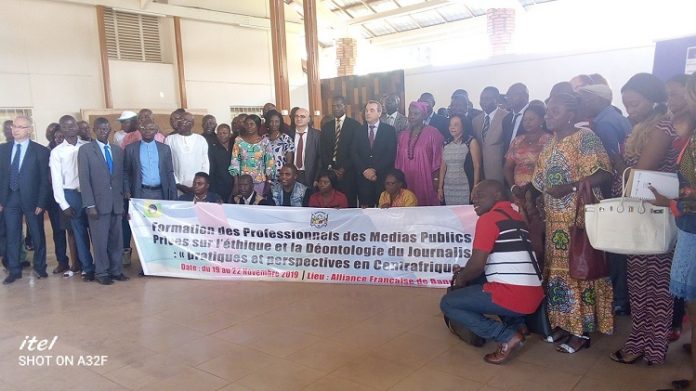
x=557 y=335
x=617 y=356
x=567 y=347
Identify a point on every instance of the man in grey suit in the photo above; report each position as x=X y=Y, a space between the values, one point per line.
x=100 y=165
x=307 y=152
x=148 y=168
x=488 y=130
x=391 y=115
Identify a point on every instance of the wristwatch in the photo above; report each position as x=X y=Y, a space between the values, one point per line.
x=575 y=188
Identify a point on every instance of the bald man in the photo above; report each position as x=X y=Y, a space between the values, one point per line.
x=517 y=102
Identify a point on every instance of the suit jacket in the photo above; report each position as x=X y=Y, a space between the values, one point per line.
x=34 y=184
x=311 y=156
x=509 y=127
x=494 y=147
x=100 y=188
x=382 y=154
x=400 y=122
x=328 y=141
x=133 y=178
x=441 y=124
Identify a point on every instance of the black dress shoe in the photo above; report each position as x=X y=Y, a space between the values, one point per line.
x=42 y=274
x=120 y=277
x=88 y=277
x=10 y=279
x=60 y=269
x=25 y=264
x=105 y=280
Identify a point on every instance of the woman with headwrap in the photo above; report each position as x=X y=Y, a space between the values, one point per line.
x=419 y=154
x=574 y=155
x=649 y=147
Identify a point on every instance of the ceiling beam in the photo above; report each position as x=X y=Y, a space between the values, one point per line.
x=400 y=11
x=144 y=3
x=159 y=9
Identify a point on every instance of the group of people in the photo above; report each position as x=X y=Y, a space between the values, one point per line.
x=577 y=138
x=531 y=153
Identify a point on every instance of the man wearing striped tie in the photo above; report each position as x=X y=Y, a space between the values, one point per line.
x=335 y=142
x=101 y=182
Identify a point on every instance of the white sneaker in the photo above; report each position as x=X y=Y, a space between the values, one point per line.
x=68 y=274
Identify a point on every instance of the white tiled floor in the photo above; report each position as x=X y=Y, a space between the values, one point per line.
x=175 y=334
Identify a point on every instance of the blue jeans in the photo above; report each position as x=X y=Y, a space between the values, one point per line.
x=467 y=306
x=59 y=240
x=79 y=225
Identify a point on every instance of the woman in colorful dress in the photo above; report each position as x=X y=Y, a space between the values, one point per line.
x=683 y=273
x=282 y=144
x=460 y=169
x=395 y=194
x=649 y=147
x=520 y=163
x=419 y=154
x=573 y=155
x=253 y=155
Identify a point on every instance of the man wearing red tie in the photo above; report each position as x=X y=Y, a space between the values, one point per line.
x=306 y=149
x=373 y=153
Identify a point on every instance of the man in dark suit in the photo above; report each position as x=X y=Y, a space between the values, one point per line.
x=24 y=191
x=461 y=103
x=373 y=153
x=435 y=120
x=100 y=166
x=517 y=102
x=307 y=154
x=247 y=195
x=148 y=169
x=336 y=140
x=488 y=130
x=391 y=115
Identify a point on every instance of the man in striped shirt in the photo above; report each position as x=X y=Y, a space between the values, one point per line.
x=513 y=289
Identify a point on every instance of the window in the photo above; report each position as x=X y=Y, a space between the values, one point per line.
x=132 y=37
x=236 y=110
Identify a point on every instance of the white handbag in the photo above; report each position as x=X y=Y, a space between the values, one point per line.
x=630 y=226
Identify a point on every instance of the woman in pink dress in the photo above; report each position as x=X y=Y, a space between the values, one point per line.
x=419 y=154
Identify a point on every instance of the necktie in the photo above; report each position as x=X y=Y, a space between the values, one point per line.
x=486 y=125
x=338 y=138
x=299 y=160
x=372 y=135
x=14 y=169
x=109 y=160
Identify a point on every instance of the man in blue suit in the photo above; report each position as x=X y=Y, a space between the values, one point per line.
x=24 y=192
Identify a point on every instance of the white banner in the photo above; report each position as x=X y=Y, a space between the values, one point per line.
x=397 y=246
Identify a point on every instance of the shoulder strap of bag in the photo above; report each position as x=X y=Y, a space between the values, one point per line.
x=527 y=245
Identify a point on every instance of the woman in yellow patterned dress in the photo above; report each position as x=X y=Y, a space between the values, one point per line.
x=575 y=307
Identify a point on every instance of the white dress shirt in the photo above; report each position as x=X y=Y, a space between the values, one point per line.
x=391 y=118
x=189 y=156
x=518 y=121
x=64 y=174
x=22 y=152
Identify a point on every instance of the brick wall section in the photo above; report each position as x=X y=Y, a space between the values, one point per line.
x=346 y=54
x=501 y=27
